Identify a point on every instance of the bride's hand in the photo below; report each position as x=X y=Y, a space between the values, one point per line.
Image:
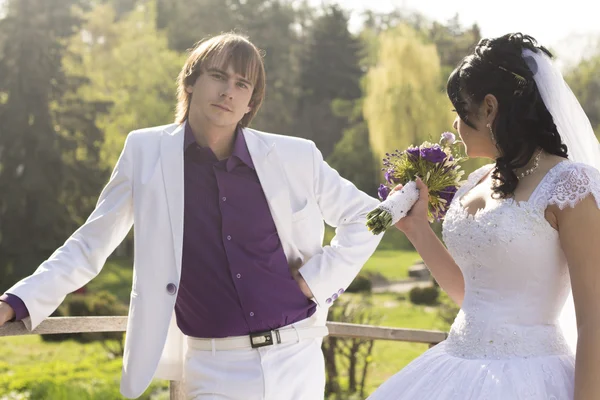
x=417 y=216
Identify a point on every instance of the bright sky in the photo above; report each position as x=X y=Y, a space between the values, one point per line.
x=562 y=19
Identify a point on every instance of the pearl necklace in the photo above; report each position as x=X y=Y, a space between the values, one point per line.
x=536 y=164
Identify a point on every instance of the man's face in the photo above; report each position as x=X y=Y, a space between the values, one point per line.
x=220 y=98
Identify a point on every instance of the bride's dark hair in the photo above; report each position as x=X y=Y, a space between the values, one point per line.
x=523 y=122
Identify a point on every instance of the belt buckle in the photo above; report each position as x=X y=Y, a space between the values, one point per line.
x=262 y=339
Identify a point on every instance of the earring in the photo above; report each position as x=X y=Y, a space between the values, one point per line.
x=491 y=133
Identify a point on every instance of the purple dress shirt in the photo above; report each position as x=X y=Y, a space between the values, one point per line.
x=234 y=276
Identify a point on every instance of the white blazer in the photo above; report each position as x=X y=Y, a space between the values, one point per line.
x=146 y=190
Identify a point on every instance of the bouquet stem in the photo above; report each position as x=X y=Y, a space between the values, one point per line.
x=393 y=209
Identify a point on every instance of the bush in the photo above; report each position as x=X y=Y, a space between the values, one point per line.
x=360 y=284
x=426 y=296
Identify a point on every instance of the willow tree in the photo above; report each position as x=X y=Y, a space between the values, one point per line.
x=405 y=102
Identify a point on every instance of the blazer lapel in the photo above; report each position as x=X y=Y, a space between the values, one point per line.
x=275 y=186
x=171 y=159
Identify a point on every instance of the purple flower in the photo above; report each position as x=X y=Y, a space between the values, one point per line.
x=383 y=192
x=434 y=154
x=448 y=138
x=389 y=176
x=413 y=153
x=448 y=193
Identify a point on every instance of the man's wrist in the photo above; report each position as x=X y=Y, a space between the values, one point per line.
x=6 y=312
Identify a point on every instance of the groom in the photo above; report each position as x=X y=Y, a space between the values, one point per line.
x=231 y=282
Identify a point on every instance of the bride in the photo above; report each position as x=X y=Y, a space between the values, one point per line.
x=523 y=237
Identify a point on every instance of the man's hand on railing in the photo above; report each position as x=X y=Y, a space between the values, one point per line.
x=6 y=313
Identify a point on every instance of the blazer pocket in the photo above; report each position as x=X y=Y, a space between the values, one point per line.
x=303 y=212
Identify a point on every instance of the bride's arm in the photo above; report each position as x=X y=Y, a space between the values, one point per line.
x=433 y=252
x=579 y=230
x=439 y=261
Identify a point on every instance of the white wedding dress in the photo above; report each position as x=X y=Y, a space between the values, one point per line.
x=505 y=343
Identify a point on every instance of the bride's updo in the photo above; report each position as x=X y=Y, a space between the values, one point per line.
x=522 y=123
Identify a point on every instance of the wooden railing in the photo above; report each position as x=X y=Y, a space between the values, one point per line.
x=119 y=324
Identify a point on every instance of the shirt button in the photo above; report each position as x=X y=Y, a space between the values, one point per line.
x=251 y=314
x=228 y=237
x=239 y=276
x=224 y=198
x=171 y=288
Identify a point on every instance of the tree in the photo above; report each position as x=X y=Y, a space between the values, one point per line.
x=130 y=66
x=124 y=7
x=404 y=104
x=352 y=156
x=329 y=70
x=453 y=43
x=270 y=24
x=584 y=80
x=49 y=142
x=379 y=22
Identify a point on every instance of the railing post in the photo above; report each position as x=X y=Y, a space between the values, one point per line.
x=176 y=390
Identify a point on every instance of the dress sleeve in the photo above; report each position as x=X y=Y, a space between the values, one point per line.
x=573 y=184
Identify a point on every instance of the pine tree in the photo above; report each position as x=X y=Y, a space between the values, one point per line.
x=329 y=70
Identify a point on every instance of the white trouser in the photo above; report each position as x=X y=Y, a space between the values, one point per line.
x=286 y=371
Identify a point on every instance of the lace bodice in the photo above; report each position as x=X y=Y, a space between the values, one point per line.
x=516 y=274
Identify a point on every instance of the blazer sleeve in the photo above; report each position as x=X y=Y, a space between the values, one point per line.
x=344 y=207
x=83 y=255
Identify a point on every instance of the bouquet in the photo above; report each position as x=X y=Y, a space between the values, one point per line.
x=438 y=166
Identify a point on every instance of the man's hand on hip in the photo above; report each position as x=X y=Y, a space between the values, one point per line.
x=300 y=280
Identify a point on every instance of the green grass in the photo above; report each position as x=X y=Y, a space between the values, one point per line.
x=69 y=370
x=392 y=264
x=66 y=370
